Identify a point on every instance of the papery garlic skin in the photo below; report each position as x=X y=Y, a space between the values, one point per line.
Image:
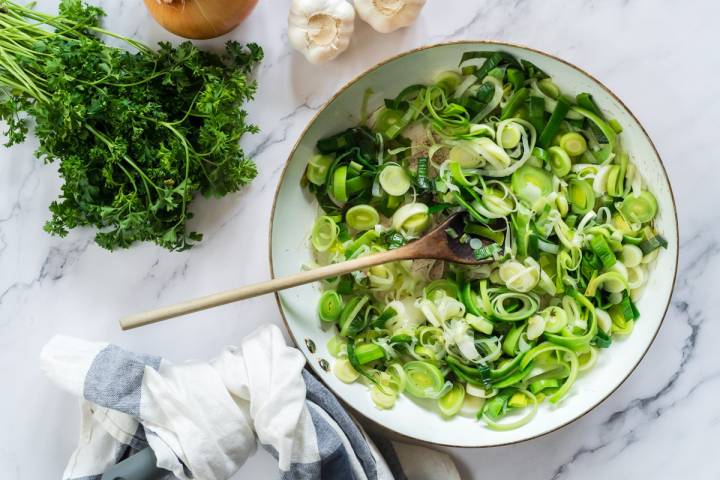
x=320 y=29
x=386 y=16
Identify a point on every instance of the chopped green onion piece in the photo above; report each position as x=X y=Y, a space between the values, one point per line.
x=511 y=340
x=601 y=339
x=616 y=176
x=368 y=352
x=485 y=92
x=401 y=338
x=485 y=232
x=639 y=209
x=573 y=143
x=345 y=285
x=531 y=183
x=514 y=103
x=632 y=255
x=652 y=243
x=549 y=88
x=334 y=143
x=532 y=70
x=479 y=323
x=330 y=306
x=487 y=251
x=442 y=286
x=516 y=78
x=412 y=218
x=541 y=154
x=603 y=251
x=356 y=364
x=387 y=119
x=464 y=155
x=601 y=125
x=569 y=354
x=511 y=136
x=469 y=208
x=394 y=180
x=404 y=96
x=336 y=346
x=362 y=217
x=559 y=161
x=492 y=60
x=421 y=180
x=364 y=239
x=317 y=169
x=424 y=380
x=452 y=401
x=553 y=125
x=570 y=340
x=495 y=407
x=513 y=306
x=382 y=319
x=344 y=371
x=357 y=184
x=518 y=400
x=615 y=125
x=536 y=113
x=339 y=185
x=350 y=321
x=586 y=101
x=540 y=385
x=383 y=397
x=354 y=167
x=493 y=425
x=581 y=196
x=448 y=80
x=324 y=234
x=459 y=176
x=395 y=240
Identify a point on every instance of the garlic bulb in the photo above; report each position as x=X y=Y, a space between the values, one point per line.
x=388 y=15
x=320 y=29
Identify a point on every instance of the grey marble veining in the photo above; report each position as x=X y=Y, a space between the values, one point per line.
x=659 y=56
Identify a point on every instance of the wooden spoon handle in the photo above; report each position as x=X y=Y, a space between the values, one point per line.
x=217 y=299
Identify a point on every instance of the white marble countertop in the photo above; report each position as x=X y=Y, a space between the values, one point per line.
x=658 y=56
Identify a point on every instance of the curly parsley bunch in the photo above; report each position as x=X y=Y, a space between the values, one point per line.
x=137 y=134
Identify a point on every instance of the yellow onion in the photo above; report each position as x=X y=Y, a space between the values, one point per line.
x=200 y=19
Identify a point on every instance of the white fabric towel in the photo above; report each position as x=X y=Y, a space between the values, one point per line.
x=203 y=420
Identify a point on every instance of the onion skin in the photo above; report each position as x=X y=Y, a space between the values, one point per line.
x=200 y=19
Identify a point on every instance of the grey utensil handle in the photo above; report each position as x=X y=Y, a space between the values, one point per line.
x=141 y=466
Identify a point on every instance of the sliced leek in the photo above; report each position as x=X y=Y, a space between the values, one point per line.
x=394 y=180
x=362 y=217
x=554 y=205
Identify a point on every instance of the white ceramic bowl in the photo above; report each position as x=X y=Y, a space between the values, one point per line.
x=294 y=212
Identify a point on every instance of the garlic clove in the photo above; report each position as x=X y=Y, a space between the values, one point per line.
x=320 y=29
x=389 y=15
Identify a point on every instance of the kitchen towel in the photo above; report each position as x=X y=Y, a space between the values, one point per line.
x=203 y=420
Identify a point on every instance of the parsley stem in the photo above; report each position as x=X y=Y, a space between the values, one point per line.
x=12 y=68
x=10 y=82
x=183 y=140
x=111 y=147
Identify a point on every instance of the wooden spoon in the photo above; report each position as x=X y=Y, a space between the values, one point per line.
x=437 y=244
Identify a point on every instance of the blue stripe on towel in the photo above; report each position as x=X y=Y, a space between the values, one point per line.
x=317 y=393
x=298 y=471
x=115 y=377
x=335 y=459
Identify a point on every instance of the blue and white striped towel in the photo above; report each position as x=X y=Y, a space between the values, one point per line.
x=203 y=420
